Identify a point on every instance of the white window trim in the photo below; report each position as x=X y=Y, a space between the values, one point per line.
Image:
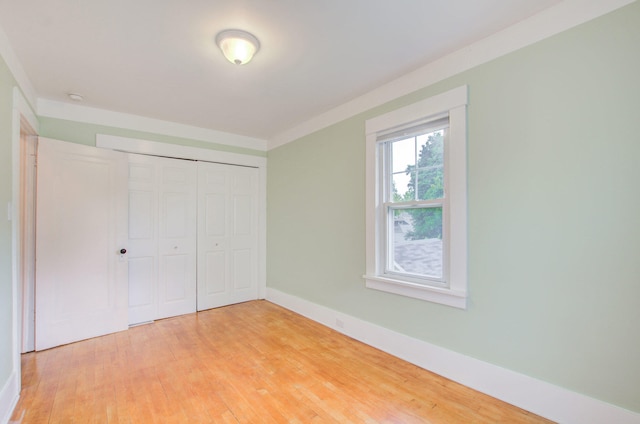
x=453 y=102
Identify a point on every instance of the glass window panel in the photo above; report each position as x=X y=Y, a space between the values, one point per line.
x=430 y=183
x=416 y=242
x=401 y=182
x=430 y=165
x=403 y=153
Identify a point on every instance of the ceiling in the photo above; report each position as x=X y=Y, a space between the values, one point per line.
x=157 y=58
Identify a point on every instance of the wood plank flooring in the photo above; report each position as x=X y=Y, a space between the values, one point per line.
x=249 y=363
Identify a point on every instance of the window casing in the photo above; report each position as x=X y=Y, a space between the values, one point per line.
x=416 y=200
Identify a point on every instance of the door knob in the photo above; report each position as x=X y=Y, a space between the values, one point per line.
x=123 y=251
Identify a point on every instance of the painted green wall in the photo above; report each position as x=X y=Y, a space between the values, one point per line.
x=7 y=82
x=553 y=206
x=83 y=133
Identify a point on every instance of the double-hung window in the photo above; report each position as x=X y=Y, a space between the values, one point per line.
x=416 y=200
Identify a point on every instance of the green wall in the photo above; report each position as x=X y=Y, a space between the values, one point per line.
x=553 y=207
x=83 y=133
x=7 y=82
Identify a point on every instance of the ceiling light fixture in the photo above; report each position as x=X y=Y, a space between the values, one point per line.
x=238 y=46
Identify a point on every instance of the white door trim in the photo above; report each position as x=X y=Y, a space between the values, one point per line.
x=21 y=113
x=146 y=147
x=27 y=236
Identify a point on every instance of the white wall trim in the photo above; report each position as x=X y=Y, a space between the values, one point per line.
x=537 y=396
x=133 y=145
x=72 y=112
x=9 y=396
x=146 y=147
x=21 y=109
x=547 y=23
x=16 y=69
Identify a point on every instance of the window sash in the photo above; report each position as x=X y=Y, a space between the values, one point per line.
x=385 y=147
x=388 y=255
x=388 y=206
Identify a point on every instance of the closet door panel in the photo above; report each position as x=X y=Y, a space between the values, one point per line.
x=243 y=243
x=143 y=239
x=162 y=234
x=216 y=271
x=227 y=240
x=242 y=275
x=141 y=289
x=177 y=244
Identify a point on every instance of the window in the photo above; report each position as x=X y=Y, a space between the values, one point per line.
x=416 y=200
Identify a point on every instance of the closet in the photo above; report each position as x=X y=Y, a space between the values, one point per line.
x=193 y=236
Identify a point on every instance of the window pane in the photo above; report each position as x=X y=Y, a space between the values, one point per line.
x=416 y=240
x=430 y=166
x=401 y=182
x=403 y=153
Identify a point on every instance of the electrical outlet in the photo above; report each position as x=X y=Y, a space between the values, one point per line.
x=339 y=323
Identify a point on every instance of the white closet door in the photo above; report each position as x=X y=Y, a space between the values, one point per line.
x=143 y=239
x=227 y=234
x=81 y=277
x=177 y=237
x=162 y=234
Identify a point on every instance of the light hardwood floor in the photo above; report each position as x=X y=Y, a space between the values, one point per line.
x=249 y=363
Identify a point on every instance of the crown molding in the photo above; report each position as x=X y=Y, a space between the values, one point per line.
x=16 y=69
x=90 y=115
x=551 y=21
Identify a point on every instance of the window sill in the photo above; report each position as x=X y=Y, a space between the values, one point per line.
x=444 y=296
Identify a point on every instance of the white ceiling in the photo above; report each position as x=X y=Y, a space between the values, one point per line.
x=157 y=58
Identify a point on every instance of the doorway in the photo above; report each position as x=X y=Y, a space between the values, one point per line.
x=27 y=233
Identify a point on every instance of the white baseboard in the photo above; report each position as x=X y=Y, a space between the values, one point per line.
x=9 y=397
x=541 y=398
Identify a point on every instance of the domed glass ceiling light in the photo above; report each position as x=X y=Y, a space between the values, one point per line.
x=237 y=46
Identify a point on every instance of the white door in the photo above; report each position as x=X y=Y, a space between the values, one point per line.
x=177 y=238
x=81 y=227
x=227 y=234
x=162 y=237
x=143 y=239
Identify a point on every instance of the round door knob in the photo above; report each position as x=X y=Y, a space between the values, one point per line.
x=123 y=251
